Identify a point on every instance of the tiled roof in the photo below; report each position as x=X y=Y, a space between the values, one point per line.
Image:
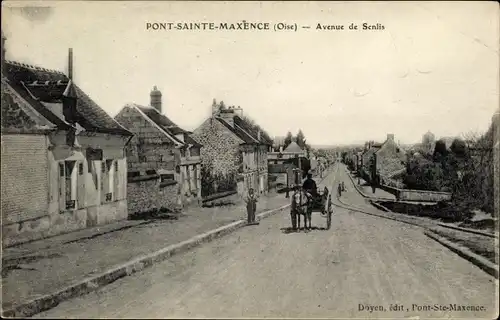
x=39 y=86
x=167 y=125
x=293 y=147
x=161 y=120
x=239 y=132
x=19 y=115
x=188 y=139
x=252 y=130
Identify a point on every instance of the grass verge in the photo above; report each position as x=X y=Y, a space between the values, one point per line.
x=481 y=245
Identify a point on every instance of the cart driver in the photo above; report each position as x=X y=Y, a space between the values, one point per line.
x=309 y=186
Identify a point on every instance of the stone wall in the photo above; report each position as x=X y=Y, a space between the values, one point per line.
x=221 y=158
x=149 y=148
x=24 y=177
x=149 y=194
x=417 y=195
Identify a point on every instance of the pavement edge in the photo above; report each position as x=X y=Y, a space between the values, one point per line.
x=484 y=264
x=88 y=285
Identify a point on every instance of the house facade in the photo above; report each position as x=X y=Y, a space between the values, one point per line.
x=63 y=161
x=292 y=151
x=164 y=164
x=383 y=159
x=234 y=153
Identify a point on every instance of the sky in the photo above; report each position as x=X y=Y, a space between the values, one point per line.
x=435 y=66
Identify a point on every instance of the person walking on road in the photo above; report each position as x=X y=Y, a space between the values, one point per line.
x=251 y=201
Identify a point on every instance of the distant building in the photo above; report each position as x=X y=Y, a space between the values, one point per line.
x=292 y=151
x=385 y=159
x=164 y=164
x=234 y=153
x=63 y=161
x=428 y=142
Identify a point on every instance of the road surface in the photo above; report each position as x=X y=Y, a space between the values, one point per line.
x=362 y=267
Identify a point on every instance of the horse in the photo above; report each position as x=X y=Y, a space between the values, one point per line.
x=301 y=205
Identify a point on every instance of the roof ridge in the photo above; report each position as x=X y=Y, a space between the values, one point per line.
x=33 y=67
x=248 y=134
x=168 y=134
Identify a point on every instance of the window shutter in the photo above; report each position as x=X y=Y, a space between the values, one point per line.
x=80 y=180
x=116 y=194
x=62 y=187
x=104 y=181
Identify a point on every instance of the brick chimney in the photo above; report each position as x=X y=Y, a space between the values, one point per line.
x=238 y=111
x=69 y=102
x=69 y=97
x=228 y=116
x=70 y=63
x=155 y=99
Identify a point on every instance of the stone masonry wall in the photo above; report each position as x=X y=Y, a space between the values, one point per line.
x=24 y=177
x=220 y=154
x=149 y=148
x=150 y=194
x=389 y=158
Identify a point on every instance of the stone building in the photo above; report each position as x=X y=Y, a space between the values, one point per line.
x=164 y=165
x=385 y=160
x=280 y=162
x=234 y=153
x=292 y=151
x=428 y=142
x=63 y=160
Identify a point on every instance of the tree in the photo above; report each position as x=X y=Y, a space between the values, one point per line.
x=288 y=139
x=301 y=139
x=440 y=150
x=222 y=106
x=459 y=147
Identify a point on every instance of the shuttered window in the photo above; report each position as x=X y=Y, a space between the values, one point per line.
x=109 y=180
x=116 y=181
x=68 y=185
x=81 y=192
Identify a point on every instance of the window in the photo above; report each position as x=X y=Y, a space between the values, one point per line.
x=80 y=169
x=142 y=158
x=188 y=174
x=150 y=172
x=161 y=158
x=109 y=181
x=68 y=185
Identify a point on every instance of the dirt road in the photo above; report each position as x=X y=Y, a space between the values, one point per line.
x=362 y=267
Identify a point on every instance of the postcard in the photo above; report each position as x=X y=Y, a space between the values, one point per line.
x=244 y=159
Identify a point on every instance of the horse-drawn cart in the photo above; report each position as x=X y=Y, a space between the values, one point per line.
x=305 y=204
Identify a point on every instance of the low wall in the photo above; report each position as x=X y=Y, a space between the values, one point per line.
x=218 y=196
x=417 y=195
x=148 y=194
